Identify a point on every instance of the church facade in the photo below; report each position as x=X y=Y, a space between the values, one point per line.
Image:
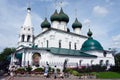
x=56 y=44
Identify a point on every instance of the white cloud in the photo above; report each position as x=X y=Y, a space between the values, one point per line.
x=87 y=22
x=65 y=3
x=100 y=11
x=116 y=41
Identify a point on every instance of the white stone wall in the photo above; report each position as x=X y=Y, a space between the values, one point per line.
x=72 y=60
x=100 y=56
x=77 y=30
x=55 y=24
x=53 y=38
x=58 y=60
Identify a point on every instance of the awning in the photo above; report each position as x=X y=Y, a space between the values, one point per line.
x=18 y=55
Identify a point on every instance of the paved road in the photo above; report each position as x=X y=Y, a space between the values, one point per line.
x=42 y=78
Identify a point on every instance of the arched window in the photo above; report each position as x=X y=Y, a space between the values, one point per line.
x=41 y=44
x=59 y=43
x=75 y=46
x=28 y=38
x=80 y=62
x=23 y=37
x=28 y=29
x=47 y=43
x=69 y=45
x=101 y=62
x=107 y=62
x=91 y=62
x=104 y=53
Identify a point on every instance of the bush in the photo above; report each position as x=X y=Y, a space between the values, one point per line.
x=75 y=73
x=28 y=69
x=58 y=70
x=114 y=68
x=20 y=70
x=98 y=68
x=72 y=71
x=39 y=70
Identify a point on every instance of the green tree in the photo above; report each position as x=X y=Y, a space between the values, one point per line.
x=117 y=59
x=6 y=52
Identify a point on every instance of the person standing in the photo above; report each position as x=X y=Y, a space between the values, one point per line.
x=55 y=72
x=46 y=70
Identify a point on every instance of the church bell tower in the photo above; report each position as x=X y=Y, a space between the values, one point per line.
x=26 y=33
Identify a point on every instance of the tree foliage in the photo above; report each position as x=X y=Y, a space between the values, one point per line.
x=5 y=53
x=117 y=59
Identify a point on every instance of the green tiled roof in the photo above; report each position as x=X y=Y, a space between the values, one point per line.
x=76 y=24
x=65 y=52
x=55 y=16
x=69 y=52
x=63 y=16
x=91 y=44
x=45 y=24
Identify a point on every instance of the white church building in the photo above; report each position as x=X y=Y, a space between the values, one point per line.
x=57 y=44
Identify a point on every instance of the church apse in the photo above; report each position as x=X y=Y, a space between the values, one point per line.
x=36 y=59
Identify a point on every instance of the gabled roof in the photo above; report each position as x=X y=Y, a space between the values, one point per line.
x=64 y=52
x=69 y=52
x=58 y=30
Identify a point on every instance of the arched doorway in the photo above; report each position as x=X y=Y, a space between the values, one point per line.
x=36 y=59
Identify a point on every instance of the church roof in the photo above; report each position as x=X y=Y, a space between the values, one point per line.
x=63 y=52
x=55 y=16
x=27 y=22
x=58 y=30
x=76 y=24
x=63 y=16
x=45 y=24
x=91 y=44
x=69 y=52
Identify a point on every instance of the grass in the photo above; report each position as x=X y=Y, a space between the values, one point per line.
x=107 y=75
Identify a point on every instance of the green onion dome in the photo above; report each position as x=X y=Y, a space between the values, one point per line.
x=76 y=24
x=91 y=44
x=55 y=16
x=63 y=16
x=45 y=24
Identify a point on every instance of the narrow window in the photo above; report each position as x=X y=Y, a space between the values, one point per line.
x=47 y=43
x=104 y=53
x=28 y=38
x=69 y=45
x=91 y=62
x=107 y=62
x=59 y=43
x=41 y=44
x=75 y=46
x=80 y=62
x=23 y=36
x=101 y=62
x=28 y=29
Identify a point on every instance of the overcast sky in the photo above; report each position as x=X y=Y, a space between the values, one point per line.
x=103 y=16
